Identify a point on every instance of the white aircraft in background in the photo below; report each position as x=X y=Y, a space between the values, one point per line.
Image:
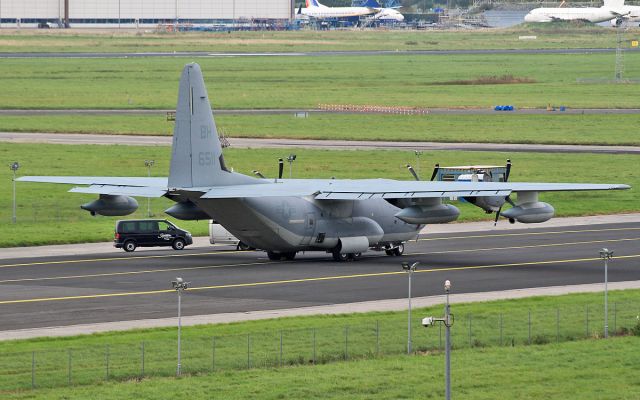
x=611 y=10
x=316 y=10
x=629 y=13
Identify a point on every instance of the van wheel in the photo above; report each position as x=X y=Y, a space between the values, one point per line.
x=178 y=244
x=243 y=246
x=273 y=256
x=129 y=246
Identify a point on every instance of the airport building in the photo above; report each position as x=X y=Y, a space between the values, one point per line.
x=135 y=13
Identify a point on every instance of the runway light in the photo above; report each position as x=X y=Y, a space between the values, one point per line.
x=291 y=158
x=606 y=255
x=14 y=167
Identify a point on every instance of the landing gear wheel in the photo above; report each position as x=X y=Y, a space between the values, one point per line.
x=355 y=256
x=129 y=246
x=289 y=256
x=178 y=244
x=389 y=252
x=273 y=256
x=398 y=251
x=243 y=246
x=337 y=256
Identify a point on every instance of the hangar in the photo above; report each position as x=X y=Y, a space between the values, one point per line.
x=79 y=13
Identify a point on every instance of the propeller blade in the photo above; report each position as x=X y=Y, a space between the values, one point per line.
x=280 y=167
x=257 y=173
x=497 y=216
x=508 y=171
x=435 y=171
x=413 y=172
x=507 y=200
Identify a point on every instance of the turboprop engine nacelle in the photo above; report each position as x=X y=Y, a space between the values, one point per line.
x=617 y=21
x=111 y=205
x=529 y=210
x=186 y=211
x=437 y=213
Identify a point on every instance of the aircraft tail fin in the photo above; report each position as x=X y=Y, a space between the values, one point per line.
x=196 y=154
x=613 y=3
x=371 y=4
x=312 y=3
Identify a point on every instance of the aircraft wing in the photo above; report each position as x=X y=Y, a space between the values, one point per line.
x=362 y=189
x=126 y=186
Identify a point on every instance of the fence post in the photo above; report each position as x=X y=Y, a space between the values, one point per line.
x=33 y=370
x=281 y=348
x=69 y=372
x=248 y=350
x=587 y=320
x=529 y=326
x=440 y=337
x=106 y=356
x=142 y=358
x=501 y=328
x=346 y=342
x=314 y=346
x=557 y=325
x=470 y=344
x=377 y=337
x=615 y=317
x=213 y=354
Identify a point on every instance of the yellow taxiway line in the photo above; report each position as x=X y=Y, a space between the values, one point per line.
x=91 y=260
x=301 y=280
x=160 y=270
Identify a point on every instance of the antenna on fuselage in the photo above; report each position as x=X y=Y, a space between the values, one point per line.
x=413 y=172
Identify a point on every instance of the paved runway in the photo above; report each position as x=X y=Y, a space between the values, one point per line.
x=115 y=286
x=252 y=143
x=190 y=54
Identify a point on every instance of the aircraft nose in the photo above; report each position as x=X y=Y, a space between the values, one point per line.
x=528 y=17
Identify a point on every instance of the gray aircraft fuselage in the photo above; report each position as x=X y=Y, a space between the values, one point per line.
x=288 y=224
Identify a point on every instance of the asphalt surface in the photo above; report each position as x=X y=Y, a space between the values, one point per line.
x=285 y=111
x=116 y=286
x=189 y=54
x=132 y=140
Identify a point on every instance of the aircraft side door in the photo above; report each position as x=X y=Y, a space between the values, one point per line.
x=309 y=228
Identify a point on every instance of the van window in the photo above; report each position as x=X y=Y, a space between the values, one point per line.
x=128 y=227
x=164 y=226
x=148 y=226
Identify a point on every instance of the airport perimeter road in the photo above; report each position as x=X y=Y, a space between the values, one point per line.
x=131 y=140
x=190 y=54
x=115 y=286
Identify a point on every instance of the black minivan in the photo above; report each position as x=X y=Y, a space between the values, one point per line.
x=150 y=232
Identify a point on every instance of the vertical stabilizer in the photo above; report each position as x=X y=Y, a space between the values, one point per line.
x=613 y=4
x=196 y=155
x=371 y=4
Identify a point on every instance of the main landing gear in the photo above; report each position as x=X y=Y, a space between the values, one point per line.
x=338 y=256
x=273 y=256
x=395 y=251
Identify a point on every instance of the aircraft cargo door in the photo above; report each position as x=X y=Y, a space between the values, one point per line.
x=309 y=228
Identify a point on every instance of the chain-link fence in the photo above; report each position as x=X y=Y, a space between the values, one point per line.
x=92 y=364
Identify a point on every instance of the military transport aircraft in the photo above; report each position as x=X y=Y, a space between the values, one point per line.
x=284 y=216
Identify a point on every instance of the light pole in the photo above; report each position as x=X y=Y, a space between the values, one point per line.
x=409 y=269
x=179 y=285
x=418 y=153
x=448 y=323
x=149 y=164
x=606 y=255
x=14 y=167
x=291 y=158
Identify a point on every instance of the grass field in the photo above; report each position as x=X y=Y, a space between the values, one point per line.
x=551 y=128
x=499 y=328
x=603 y=370
x=557 y=36
x=294 y=82
x=48 y=214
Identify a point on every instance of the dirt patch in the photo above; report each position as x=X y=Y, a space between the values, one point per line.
x=489 y=80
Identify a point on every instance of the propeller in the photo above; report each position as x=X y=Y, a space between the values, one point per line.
x=413 y=172
x=508 y=198
x=300 y=10
x=435 y=171
x=258 y=174
x=280 y=167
